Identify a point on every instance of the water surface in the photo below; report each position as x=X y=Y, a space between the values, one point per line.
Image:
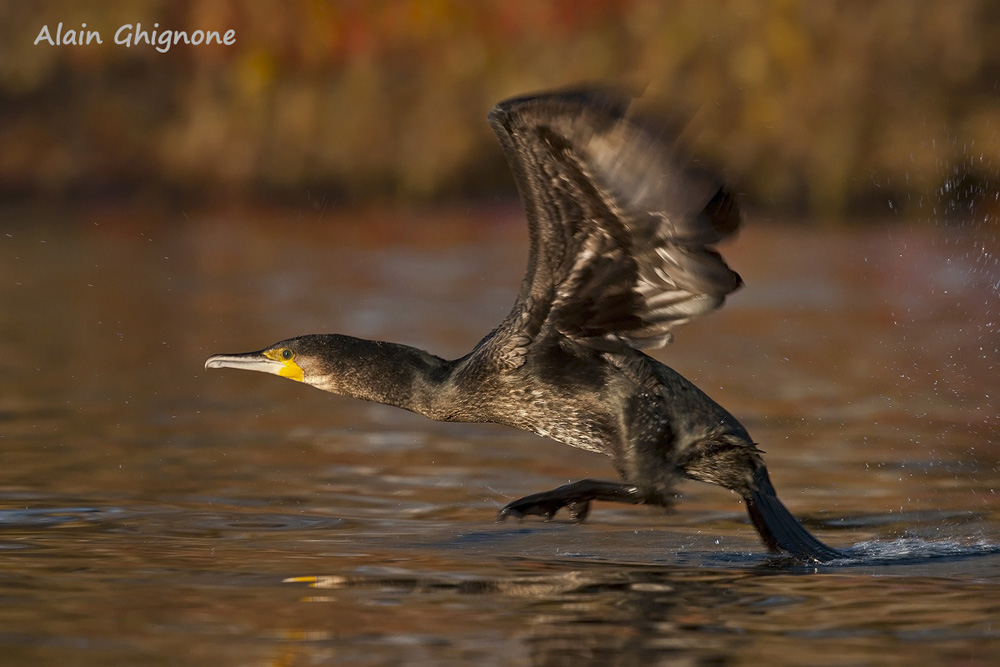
x=155 y=513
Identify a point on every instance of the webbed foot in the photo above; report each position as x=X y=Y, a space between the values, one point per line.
x=542 y=504
x=574 y=497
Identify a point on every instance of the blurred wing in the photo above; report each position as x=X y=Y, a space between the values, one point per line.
x=620 y=225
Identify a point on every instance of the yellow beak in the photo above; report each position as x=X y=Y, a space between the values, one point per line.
x=257 y=361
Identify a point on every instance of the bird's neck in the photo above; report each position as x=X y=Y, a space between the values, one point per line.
x=388 y=373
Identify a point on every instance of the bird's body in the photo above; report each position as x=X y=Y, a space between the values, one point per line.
x=621 y=235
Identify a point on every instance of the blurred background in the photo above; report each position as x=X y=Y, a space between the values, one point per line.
x=828 y=111
x=332 y=170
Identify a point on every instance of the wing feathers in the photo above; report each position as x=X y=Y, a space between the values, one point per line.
x=621 y=225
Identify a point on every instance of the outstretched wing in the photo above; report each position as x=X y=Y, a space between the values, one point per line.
x=621 y=226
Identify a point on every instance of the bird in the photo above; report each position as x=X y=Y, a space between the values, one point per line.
x=623 y=226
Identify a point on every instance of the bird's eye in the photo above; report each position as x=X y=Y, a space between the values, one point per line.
x=287 y=354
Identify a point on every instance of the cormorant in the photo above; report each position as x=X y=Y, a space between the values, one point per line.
x=621 y=228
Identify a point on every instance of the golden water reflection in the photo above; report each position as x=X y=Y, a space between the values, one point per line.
x=152 y=512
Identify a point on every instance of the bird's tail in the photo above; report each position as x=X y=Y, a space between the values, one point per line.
x=779 y=530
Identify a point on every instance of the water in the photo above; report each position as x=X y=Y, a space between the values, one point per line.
x=155 y=513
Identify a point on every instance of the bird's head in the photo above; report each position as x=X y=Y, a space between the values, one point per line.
x=344 y=365
x=298 y=359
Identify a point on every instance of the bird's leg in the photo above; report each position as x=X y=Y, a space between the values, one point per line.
x=740 y=468
x=778 y=528
x=574 y=497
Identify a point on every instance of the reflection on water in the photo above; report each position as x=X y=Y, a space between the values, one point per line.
x=615 y=613
x=152 y=512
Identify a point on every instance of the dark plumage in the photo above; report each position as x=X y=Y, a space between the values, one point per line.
x=622 y=230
